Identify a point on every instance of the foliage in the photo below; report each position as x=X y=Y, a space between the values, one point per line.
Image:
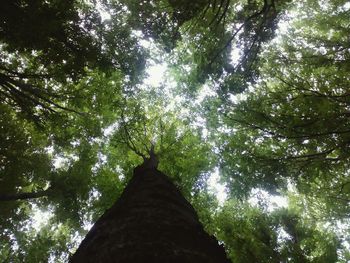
x=39 y=60
x=294 y=122
x=257 y=90
x=273 y=237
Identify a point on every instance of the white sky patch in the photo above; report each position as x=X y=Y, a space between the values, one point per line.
x=283 y=27
x=206 y=91
x=145 y=43
x=110 y=129
x=277 y=201
x=50 y=149
x=173 y=104
x=61 y=161
x=236 y=98
x=282 y=235
x=155 y=74
x=272 y=202
x=235 y=55
x=216 y=187
x=346 y=6
x=103 y=13
x=40 y=217
x=238 y=7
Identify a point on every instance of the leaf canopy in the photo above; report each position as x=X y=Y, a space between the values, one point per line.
x=252 y=93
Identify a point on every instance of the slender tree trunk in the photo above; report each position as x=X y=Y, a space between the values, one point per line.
x=24 y=196
x=151 y=222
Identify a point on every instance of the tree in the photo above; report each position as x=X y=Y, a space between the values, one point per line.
x=253 y=93
x=151 y=221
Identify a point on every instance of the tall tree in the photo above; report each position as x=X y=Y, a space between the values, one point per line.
x=151 y=221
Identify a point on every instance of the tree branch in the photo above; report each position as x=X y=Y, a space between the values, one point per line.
x=25 y=196
x=248 y=19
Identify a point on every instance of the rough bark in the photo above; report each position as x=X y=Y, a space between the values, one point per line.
x=151 y=222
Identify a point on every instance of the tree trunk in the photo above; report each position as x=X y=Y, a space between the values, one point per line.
x=151 y=222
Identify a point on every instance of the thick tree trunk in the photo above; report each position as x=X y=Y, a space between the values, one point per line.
x=151 y=222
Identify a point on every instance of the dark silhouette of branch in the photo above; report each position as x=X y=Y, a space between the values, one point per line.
x=23 y=93
x=223 y=4
x=279 y=135
x=309 y=156
x=127 y=139
x=25 y=196
x=340 y=198
x=22 y=75
x=264 y=9
x=223 y=15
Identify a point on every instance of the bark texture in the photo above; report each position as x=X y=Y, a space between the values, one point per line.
x=150 y=222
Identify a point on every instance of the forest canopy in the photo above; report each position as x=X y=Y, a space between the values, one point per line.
x=246 y=103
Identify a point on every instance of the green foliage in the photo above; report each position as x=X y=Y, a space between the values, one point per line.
x=25 y=165
x=280 y=236
x=77 y=117
x=293 y=125
x=182 y=153
x=39 y=60
x=39 y=246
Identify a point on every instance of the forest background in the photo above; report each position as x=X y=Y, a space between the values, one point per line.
x=246 y=102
